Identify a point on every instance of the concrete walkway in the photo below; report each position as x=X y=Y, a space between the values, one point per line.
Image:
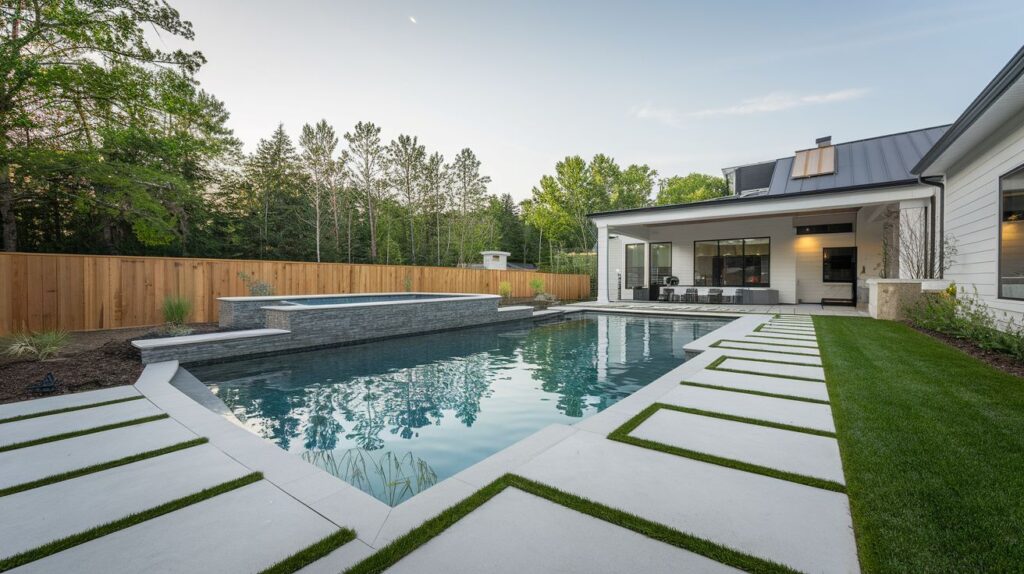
x=752 y=399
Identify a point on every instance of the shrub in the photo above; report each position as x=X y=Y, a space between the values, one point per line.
x=176 y=310
x=965 y=316
x=505 y=290
x=37 y=346
x=256 y=288
x=537 y=285
x=407 y=283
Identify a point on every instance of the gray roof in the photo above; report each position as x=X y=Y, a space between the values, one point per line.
x=879 y=161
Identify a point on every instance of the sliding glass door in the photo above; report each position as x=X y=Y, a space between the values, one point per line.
x=732 y=262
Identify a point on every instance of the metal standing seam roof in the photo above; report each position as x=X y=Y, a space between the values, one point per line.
x=882 y=160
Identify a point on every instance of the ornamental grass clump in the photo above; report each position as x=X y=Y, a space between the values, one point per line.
x=36 y=346
x=505 y=290
x=176 y=310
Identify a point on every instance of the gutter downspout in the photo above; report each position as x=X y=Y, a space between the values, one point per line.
x=930 y=180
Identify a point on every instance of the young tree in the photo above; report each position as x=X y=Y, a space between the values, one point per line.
x=366 y=171
x=469 y=189
x=318 y=144
x=406 y=159
x=436 y=183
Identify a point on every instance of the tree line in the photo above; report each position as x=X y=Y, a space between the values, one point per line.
x=111 y=146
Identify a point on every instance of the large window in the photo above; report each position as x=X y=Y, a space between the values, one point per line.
x=839 y=264
x=634 y=265
x=732 y=262
x=661 y=262
x=1011 y=235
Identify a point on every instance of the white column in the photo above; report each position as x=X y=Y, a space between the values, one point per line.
x=602 y=263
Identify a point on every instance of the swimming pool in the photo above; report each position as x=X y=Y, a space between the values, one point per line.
x=395 y=417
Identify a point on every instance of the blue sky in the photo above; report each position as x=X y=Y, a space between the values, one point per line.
x=681 y=86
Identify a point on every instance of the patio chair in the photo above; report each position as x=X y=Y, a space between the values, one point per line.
x=714 y=296
x=690 y=295
x=665 y=295
x=735 y=297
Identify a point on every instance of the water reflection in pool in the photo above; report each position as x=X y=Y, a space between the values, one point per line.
x=394 y=417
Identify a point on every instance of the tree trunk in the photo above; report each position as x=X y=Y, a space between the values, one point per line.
x=10 y=223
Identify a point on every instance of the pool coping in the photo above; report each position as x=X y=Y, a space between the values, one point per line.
x=376 y=524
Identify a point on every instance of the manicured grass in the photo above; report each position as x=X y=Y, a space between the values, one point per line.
x=100 y=467
x=312 y=553
x=83 y=432
x=122 y=523
x=68 y=409
x=621 y=434
x=932 y=442
x=401 y=547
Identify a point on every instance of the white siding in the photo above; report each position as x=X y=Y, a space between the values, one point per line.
x=972 y=215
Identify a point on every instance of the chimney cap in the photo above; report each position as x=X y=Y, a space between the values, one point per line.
x=824 y=141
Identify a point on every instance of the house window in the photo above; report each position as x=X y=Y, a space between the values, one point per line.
x=732 y=262
x=1011 y=235
x=634 y=265
x=661 y=262
x=839 y=264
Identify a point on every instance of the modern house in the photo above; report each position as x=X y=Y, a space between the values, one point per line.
x=815 y=226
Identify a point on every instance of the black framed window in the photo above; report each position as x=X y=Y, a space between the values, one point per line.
x=1011 y=235
x=732 y=262
x=634 y=265
x=839 y=264
x=661 y=262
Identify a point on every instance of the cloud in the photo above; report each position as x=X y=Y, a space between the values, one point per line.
x=780 y=101
x=768 y=103
x=666 y=116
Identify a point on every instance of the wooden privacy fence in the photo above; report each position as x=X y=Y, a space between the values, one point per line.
x=84 y=292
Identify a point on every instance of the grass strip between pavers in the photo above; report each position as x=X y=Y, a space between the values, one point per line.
x=408 y=543
x=83 y=432
x=718 y=345
x=68 y=409
x=120 y=524
x=622 y=435
x=815 y=349
x=312 y=553
x=753 y=392
x=716 y=366
x=747 y=420
x=54 y=478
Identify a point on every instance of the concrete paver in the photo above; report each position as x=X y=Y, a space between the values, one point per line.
x=537 y=535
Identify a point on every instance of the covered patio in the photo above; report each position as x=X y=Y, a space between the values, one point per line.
x=766 y=253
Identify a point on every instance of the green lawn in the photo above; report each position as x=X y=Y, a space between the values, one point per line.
x=933 y=448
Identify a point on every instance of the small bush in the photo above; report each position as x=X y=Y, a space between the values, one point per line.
x=37 y=346
x=505 y=290
x=256 y=287
x=176 y=310
x=967 y=317
x=537 y=285
x=407 y=283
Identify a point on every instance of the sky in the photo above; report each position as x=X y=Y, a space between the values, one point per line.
x=679 y=86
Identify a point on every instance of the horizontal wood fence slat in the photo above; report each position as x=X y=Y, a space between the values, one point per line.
x=86 y=292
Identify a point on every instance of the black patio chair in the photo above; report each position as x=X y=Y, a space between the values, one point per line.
x=714 y=295
x=690 y=295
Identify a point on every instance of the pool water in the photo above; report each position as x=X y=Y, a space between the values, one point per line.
x=395 y=417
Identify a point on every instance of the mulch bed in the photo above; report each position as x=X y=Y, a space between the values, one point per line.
x=995 y=359
x=91 y=360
